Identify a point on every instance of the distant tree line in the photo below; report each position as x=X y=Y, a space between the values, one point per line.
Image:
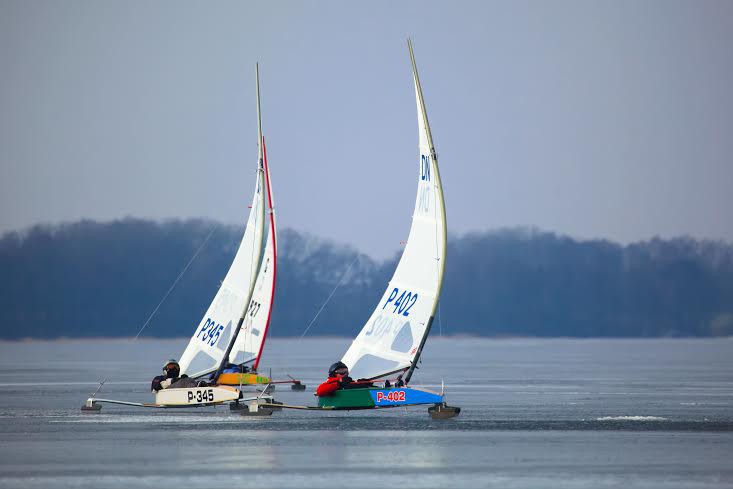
x=91 y=279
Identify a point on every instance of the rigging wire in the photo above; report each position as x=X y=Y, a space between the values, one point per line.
x=437 y=247
x=440 y=323
x=175 y=282
x=338 y=284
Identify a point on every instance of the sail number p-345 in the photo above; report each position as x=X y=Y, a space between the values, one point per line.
x=201 y=395
x=211 y=332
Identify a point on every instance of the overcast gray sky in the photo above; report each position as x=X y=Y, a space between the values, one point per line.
x=596 y=119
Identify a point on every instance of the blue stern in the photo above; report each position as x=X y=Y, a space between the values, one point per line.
x=404 y=396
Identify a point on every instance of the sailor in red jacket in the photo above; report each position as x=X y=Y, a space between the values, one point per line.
x=338 y=378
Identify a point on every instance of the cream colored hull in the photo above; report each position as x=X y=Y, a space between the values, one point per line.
x=196 y=396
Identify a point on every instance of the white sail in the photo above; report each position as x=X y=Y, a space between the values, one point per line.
x=232 y=303
x=394 y=335
x=251 y=339
x=212 y=336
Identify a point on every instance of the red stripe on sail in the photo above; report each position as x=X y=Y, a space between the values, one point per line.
x=274 y=253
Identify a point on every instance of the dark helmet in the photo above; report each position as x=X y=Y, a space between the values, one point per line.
x=337 y=366
x=171 y=368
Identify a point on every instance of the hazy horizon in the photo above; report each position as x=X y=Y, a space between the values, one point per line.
x=360 y=249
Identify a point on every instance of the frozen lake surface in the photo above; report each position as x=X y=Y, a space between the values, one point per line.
x=536 y=413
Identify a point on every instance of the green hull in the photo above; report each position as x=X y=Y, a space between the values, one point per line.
x=348 y=399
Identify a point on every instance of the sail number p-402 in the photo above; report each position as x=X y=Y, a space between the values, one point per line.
x=391 y=396
x=407 y=396
x=403 y=303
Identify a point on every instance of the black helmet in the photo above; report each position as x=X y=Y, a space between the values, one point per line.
x=172 y=361
x=337 y=366
x=171 y=368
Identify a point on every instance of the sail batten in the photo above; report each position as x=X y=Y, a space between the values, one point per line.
x=394 y=336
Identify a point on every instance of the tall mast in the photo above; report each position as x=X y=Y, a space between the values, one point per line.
x=273 y=235
x=259 y=118
x=256 y=260
x=439 y=191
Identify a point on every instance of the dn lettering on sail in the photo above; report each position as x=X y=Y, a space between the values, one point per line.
x=423 y=202
x=425 y=188
x=425 y=168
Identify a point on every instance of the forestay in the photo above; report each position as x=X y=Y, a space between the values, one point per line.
x=393 y=337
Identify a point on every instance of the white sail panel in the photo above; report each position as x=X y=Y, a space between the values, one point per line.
x=211 y=338
x=252 y=333
x=393 y=334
